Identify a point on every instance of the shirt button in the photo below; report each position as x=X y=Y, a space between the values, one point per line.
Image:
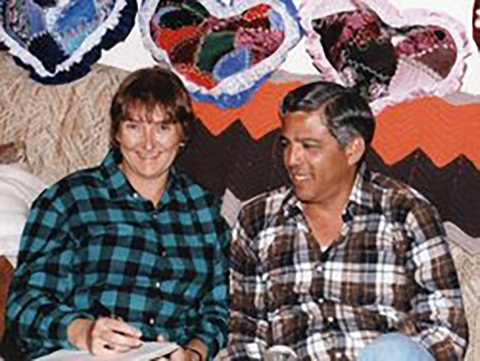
x=319 y=268
x=151 y=321
x=321 y=300
x=330 y=319
x=157 y=284
x=154 y=216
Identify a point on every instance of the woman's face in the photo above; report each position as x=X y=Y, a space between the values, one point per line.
x=149 y=144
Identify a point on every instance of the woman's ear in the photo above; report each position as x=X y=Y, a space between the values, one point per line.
x=355 y=150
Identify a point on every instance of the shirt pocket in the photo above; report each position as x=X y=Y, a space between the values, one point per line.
x=369 y=278
x=288 y=286
x=107 y=248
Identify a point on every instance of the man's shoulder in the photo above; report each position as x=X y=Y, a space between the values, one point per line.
x=268 y=202
x=259 y=212
x=395 y=196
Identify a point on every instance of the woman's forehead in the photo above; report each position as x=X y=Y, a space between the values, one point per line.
x=145 y=113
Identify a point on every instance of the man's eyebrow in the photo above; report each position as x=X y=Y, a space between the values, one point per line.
x=310 y=140
x=302 y=140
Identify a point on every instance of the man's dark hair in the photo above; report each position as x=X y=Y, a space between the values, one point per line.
x=346 y=114
x=147 y=90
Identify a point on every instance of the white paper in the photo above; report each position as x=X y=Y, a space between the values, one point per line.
x=146 y=352
x=280 y=353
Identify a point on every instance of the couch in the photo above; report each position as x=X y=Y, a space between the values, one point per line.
x=50 y=131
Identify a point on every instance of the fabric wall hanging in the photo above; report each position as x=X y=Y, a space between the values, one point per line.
x=388 y=55
x=58 y=41
x=222 y=51
x=476 y=22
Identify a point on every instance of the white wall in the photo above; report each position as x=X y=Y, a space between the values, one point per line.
x=132 y=55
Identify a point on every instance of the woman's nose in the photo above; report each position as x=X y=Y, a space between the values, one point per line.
x=148 y=138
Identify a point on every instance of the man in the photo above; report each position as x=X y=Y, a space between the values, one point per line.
x=133 y=236
x=344 y=264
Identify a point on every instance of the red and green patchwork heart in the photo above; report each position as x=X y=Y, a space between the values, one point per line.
x=222 y=52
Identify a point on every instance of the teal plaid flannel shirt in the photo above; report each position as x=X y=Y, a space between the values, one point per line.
x=92 y=237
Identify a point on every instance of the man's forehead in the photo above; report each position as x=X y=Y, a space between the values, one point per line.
x=299 y=115
x=303 y=121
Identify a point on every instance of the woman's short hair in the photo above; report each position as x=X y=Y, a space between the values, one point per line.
x=147 y=90
x=346 y=113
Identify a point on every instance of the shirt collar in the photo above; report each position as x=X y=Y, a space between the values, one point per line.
x=362 y=191
x=291 y=205
x=117 y=183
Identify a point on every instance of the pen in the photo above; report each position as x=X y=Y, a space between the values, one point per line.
x=100 y=310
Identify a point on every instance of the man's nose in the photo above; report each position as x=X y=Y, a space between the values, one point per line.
x=293 y=155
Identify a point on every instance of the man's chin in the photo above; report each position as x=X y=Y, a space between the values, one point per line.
x=302 y=194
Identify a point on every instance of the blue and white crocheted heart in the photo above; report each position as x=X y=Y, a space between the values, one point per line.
x=58 y=40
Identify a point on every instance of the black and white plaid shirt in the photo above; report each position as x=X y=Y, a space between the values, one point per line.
x=390 y=270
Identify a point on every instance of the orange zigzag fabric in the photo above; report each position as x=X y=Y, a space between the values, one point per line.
x=442 y=130
x=259 y=115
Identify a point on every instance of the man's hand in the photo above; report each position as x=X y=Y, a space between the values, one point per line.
x=104 y=336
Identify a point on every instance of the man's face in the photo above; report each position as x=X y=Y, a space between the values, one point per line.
x=149 y=145
x=318 y=168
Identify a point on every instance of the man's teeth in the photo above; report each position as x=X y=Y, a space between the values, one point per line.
x=300 y=177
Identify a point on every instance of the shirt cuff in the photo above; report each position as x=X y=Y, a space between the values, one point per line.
x=63 y=324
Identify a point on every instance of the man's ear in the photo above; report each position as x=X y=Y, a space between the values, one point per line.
x=355 y=150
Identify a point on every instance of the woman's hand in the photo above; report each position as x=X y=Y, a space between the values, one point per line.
x=104 y=336
x=181 y=354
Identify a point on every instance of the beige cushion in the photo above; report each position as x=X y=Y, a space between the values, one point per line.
x=64 y=127
x=466 y=254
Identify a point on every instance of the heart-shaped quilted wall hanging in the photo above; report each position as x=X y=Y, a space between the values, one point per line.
x=58 y=41
x=222 y=51
x=388 y=55
x=476 y=22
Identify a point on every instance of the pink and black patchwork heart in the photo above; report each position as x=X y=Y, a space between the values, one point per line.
x=476 y=22
x=222 y=52
x=388 y=55
x=58 y=41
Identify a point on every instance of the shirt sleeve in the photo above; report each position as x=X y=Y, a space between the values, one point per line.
x=214 y=310
x=36 y=314
x=248 y=336
x=439 y=321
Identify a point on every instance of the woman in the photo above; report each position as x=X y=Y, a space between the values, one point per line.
x=133 y=236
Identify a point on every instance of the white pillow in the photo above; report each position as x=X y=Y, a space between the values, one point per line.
x=18 y=189
x=10 y=245
x=16 y=181
x=12 y=203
